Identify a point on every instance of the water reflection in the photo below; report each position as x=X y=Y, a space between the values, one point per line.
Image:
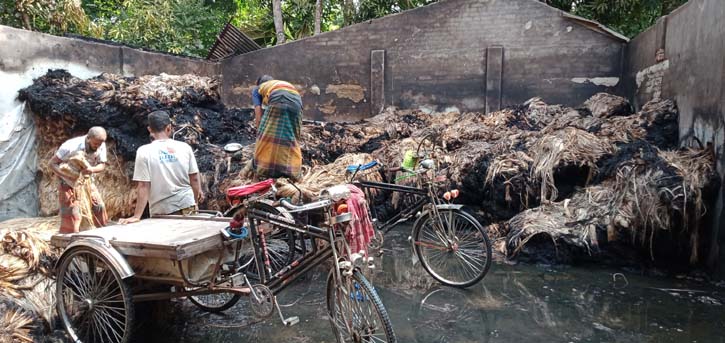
x=512 y=304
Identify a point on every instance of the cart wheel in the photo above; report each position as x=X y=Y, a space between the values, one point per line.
x=215 y=303
x=356 y=312
x=93 y=302
x=262 y=301
x=452 y=248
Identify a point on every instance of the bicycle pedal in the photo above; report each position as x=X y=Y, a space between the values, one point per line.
x=370 y=262
x=291 y=321
x=286 y=321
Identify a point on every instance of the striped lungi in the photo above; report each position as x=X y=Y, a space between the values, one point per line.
x=277 y=151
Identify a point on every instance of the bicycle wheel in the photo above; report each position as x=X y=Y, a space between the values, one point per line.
x=93 y=302
x=453 y=248
x=280 y=244
x=215 y=303
x=356 y=312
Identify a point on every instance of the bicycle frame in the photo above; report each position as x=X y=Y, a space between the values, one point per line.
x=406 y=212
x=300 y=266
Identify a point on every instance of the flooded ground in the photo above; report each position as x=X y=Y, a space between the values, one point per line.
x=522 y=303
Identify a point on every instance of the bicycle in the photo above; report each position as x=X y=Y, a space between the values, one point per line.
x=451 y=244
x=356 y=312
x=285 y=246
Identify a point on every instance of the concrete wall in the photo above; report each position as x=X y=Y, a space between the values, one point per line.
x=692 y=73
x=22 y=51
x=472 y=54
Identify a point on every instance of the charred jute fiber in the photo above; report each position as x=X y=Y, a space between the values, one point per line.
x=66 y=107
x=648 y=196
x=505 y=162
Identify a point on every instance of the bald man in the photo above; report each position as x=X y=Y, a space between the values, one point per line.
x=93 y=145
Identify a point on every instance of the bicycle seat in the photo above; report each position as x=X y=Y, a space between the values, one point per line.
x=242 y=191
x=357 y=167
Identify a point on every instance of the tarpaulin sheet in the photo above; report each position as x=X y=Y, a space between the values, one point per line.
x=18 y=164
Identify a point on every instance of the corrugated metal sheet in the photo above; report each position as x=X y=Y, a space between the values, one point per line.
x=231 y=41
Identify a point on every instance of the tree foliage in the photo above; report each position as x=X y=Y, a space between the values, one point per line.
x=190 y=27
x=629 y=17
x=187 y=27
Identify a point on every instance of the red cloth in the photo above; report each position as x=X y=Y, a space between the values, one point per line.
x=360 y=231
x=242 y=191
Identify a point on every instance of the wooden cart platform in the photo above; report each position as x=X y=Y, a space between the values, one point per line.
x=171 y=238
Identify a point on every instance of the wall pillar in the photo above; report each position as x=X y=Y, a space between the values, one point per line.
x=377 y=81
x=494 y=78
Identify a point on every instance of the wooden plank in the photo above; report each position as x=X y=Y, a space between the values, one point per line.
x=156 y=237
x=377 y=81
x=494 y=78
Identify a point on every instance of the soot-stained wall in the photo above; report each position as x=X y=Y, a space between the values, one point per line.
x=22 y=51
x=682 y=57
x=474 y=55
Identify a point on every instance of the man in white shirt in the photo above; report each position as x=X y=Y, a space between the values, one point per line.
x=94 y=148
x=166 y=173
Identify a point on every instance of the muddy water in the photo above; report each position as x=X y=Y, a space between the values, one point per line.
x=521 y=303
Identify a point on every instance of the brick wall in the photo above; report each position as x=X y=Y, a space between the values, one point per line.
x=468 y=54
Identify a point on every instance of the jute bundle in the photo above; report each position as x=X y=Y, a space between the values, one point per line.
x=26 y=268
x=82 y=187
x=623 y=129
x=574 y=221
x=132 y=92
x=21 y=254
x=115 y=186
x=392 y=152
x=44 y=227
x=509 y=166
x=511 y=169
x=12 y=270
x=567 y=147
x=322 y=177
x=653 y=191
x=661 y=190
x=27 y=246
x=16 y=326
x=604 y=105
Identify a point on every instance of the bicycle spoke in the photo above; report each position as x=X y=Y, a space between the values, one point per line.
x=467 y=258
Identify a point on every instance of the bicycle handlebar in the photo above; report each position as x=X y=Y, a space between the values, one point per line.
x=358 y=167
x=305 y=207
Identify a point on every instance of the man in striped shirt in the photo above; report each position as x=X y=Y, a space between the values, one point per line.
x=277 y=152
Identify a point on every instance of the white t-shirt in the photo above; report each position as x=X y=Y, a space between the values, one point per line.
x=73 y=145
x=166 y=164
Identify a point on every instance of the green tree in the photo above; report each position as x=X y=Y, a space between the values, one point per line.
x=371 y=9
x=186 y=27
x=52 y=16
x=628 y=17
